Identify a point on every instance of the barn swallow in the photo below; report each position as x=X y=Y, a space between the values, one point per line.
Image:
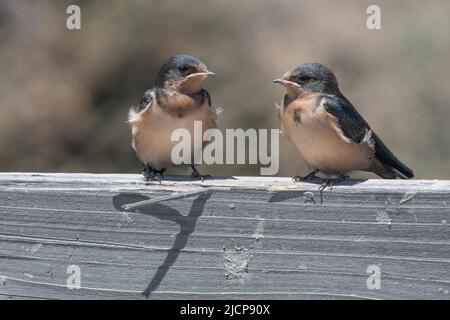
x=176 y=101
x=326 y=128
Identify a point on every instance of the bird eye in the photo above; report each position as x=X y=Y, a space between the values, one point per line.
x=183 y=69
x=304 y=78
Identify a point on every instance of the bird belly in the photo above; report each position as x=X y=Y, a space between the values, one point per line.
x=152 y=132
x=324 y=148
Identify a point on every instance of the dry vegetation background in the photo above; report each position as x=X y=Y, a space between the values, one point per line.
x=64 y=95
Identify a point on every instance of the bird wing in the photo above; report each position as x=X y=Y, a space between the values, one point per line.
x=206 y=96
x=356 y=129
x=352 y=124
x=146 y=100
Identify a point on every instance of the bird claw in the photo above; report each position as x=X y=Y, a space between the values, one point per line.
x=146 y=175
x=331 y=182
x=197 y=175
x=158 y=177
x=152 y=174
x=153 y=177
x=309 y=177
x=326 y=183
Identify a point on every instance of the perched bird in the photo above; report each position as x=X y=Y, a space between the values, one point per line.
x=176 y=101
x=331 y=135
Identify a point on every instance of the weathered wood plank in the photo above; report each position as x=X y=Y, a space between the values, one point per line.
x=250 y=237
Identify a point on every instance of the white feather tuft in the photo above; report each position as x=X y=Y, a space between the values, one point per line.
x=368 y=138
x=219 y=110
x=132 y=115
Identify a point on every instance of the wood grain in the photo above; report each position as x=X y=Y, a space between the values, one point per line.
x=244 y=238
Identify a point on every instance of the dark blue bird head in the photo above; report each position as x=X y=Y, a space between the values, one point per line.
x=182 y=73
x=312 y=77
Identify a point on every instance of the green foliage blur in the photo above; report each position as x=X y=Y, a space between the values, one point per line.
x=65 y=94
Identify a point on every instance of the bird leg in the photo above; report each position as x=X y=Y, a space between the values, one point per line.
x=309 y=177
x=153 y=174
x=159 y=174
x=148 y=172
x=196 y=175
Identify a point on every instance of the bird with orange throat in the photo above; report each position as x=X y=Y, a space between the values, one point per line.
x=331 y=135
x=176 y=101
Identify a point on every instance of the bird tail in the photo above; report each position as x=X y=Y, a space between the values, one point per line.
x=387 y=165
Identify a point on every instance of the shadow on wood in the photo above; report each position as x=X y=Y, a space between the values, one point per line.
x=186 y=223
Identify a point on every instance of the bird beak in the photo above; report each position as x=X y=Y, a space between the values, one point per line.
x=201 y=74
x=193 y=82
x=291 y=87
x=286 y=82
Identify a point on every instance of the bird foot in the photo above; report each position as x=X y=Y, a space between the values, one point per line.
x=200 y=176
x=153 y=174
x=309 y=177
x=331 y=182
x=196 y=175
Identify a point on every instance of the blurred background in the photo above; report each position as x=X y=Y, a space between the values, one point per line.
x=65 y=94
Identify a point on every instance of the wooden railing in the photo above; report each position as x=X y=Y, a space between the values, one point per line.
x=88 y=236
